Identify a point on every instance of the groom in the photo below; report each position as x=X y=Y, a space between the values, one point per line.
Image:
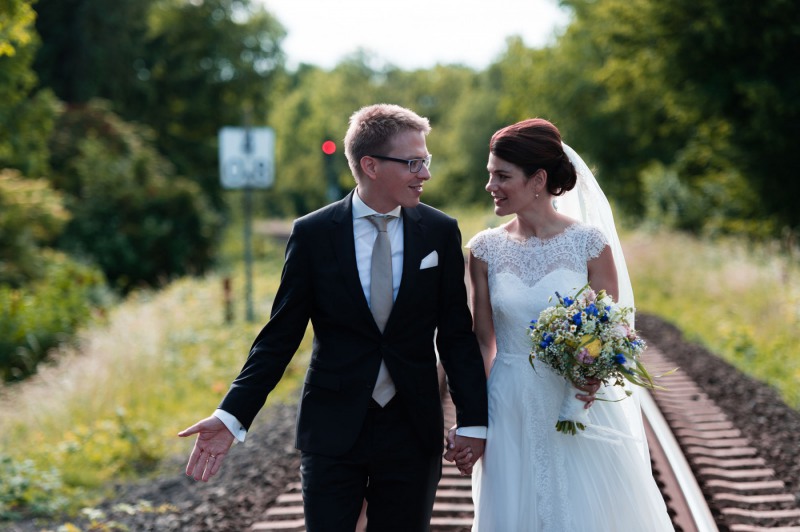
x=370 y=423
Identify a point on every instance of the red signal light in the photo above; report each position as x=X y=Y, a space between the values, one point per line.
x=329 y=147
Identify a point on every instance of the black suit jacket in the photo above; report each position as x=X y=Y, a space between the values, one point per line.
x=320 y=282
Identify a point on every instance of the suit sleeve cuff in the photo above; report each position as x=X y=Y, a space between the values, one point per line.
x=230 y=421
x=472 y=432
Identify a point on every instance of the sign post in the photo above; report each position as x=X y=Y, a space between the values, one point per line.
x=247 y=162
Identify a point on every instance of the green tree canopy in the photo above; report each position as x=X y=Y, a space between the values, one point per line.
x=700 y=88
x=130 y=214
x=207 y=65
x=91 y=47
x=26 y=115
x=32 y=216
x=183 y=68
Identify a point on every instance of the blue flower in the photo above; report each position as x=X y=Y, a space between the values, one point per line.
x=619 y=358
x=576 y=319
x=547 y=339
x=568 y=301
x=592 y=310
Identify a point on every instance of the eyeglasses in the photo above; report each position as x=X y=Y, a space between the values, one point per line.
x=414 y=165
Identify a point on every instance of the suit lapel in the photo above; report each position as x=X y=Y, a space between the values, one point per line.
x=345 y=249
x=413 y=251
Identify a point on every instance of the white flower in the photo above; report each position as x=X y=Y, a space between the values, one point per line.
x=605 y=301
x=622 y=330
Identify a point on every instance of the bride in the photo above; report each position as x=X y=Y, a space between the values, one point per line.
x=531 y=477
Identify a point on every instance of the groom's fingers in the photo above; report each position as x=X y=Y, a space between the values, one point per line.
x=450 y=455
x=463 y=454
x=465 y=460
x=461 y=457
x=457 y=455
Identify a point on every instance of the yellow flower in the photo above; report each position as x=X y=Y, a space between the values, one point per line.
x=592 y=345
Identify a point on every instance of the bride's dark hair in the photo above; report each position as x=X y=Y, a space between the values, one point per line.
x=533 y=144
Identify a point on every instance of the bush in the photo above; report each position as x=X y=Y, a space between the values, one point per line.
x=24 y=488
x=32 y=215
x=130 y=214
x=43 y=313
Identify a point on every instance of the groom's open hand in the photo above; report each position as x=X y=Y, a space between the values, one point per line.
x=212 y=444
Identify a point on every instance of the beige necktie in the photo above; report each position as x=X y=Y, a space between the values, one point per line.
x=381 y=293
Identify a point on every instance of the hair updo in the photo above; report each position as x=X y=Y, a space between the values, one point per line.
x=533 y=144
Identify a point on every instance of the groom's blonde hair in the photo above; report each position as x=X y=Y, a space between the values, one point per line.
x=373 y=127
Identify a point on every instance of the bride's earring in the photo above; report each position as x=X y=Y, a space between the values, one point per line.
x=537 y=195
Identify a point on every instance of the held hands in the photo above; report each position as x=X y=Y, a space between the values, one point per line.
x=212 y=444
x=591 y=387
x=464 y=451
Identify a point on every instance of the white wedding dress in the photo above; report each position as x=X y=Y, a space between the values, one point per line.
x=531 y=477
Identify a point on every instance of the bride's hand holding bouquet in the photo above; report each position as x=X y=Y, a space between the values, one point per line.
x=583 y=337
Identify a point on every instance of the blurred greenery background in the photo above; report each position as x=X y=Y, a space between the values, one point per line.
x=115 y=235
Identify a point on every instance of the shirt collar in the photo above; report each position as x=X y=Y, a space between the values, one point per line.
x=361 y=209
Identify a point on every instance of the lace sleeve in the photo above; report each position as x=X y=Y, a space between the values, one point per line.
x=479 y=246
x=596 y=242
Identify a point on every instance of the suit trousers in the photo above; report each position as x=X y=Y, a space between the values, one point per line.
x=385 y=466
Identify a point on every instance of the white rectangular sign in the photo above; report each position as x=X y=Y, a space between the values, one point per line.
x=246 y=157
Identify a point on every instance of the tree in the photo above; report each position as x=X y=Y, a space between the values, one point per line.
x=32 y=216
x=206 y=65
x=92 y=48
x=131 y=214
x=184 y=68
x=699 y=91
x=44 y=295
x=26 y=115
x=729 y=62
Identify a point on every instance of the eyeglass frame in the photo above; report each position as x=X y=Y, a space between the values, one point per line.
x=426 y=162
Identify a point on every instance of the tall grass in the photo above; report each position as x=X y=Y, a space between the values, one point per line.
x=112 y=407
x=741 y=301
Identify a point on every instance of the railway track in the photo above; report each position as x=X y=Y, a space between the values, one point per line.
x=711 y=477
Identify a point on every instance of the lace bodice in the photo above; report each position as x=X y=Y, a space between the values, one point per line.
x=524 y=276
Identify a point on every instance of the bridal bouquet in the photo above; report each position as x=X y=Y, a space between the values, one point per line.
x=584 y=336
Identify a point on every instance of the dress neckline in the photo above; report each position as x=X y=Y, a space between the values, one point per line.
x=534 y=238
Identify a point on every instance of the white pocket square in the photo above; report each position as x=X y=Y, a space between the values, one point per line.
x=430 y=260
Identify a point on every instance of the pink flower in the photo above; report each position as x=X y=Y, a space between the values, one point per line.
x=584 y=357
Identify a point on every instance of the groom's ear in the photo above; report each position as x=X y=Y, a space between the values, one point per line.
x=368 y=167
